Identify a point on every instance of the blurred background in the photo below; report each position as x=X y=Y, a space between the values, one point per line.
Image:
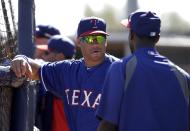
x=65 y=15
x=175 y=31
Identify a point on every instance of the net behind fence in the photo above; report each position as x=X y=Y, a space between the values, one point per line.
x=8 y=49
x=8 y=30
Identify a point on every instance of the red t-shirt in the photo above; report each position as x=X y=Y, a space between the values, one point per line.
x=59 y=122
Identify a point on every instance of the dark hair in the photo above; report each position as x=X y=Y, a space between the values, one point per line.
x=68 y=57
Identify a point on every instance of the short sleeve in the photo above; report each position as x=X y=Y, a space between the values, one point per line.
x=188 y=80
x=52 y=75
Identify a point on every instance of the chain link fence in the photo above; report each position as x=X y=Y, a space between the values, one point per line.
x=8 y=49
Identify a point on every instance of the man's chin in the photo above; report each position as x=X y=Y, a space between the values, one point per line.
x=96 y=56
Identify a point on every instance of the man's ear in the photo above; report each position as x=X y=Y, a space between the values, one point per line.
x=78 y=43
x=157 y=38
x=132 y=35
x=60 y=56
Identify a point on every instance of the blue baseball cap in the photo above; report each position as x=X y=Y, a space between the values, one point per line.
x=60 y=44
x=91 y=25
x=46 y=31
x=143 y=23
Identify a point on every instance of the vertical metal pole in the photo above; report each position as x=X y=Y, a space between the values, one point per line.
x=25 y=27
x=131 y=5
x=24 y=98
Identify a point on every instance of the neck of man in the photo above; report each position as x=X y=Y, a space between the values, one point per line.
x=144 y=42
x=144 y=45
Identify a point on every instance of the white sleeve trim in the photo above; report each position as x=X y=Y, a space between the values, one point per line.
x=42 y=79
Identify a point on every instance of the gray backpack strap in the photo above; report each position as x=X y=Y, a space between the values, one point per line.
x=130 y=68
x=180 y=74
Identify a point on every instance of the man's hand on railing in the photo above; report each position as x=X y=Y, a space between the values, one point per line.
x=8 y=77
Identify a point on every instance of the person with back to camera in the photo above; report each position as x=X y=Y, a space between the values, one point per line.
x=77 y=82
x=145 y=91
